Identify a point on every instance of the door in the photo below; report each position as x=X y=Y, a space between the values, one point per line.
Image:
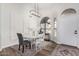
x=66 y=27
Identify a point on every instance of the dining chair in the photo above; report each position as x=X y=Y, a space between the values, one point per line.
x=39 y=42
x=23 y=42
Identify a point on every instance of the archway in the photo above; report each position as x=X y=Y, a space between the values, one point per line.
x=67 y=26
x=44 y=21
x=45 y=27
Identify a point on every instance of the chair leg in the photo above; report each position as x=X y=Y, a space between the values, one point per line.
x=26 y=45
x=19 y=47
x=23 y=49
x=29 y=45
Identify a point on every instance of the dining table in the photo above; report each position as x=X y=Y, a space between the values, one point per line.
x=34 y=40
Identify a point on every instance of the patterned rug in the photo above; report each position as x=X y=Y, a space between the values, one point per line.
x=27 y=51
x=8 y=52
x=64 y=50
x=13 y=50
x=46 y=51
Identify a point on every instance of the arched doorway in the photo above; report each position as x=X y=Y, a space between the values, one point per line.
x=67 y=26
x=45 y=27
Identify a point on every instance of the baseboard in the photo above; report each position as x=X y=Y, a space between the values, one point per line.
x=58 y=42
x=8 y=45
x=67 y=44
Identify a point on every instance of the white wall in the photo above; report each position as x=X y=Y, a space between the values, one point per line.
x=0 y=27
x=32 y=23
x=11 y=23
x=16 y=18
x=5 y=25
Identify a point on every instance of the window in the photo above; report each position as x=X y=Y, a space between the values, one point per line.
x=55 y=26
x=68 y=11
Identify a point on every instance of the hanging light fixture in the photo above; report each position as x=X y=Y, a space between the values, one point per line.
x=35 y=11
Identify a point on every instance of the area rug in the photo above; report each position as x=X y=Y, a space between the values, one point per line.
x=13 y=51
x=43 y=52
x=27 y=51
x=46 y=51
x=64 y=50
x=8 y=52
